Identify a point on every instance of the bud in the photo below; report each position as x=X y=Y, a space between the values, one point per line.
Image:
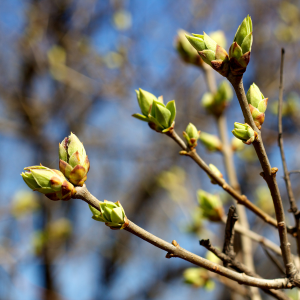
x=216 y=103
x=186 y=51
x=160 y=117
x=239 y=51
x=191 y=134
x=210 y=205
x=257 y=104
x=211 y=142
x=23 y=203
x=216 y=171
x=211 y=53
x=50 y=182
x=198 y=277
x=244 y=132
x=237 y=144
x=73 y=161
x=112 y=214
x=58 y=230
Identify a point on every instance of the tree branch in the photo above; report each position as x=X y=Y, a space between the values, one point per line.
x=293 y=205
x=241 y=199
x=240 y=268
x=229 y=234
x=269 y=175
x=174 y=250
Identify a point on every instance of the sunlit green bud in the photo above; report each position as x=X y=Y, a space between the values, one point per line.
x=24 y=202
x=211 y=142
x=50 y=182
x=112 y=214
x=211 y=53
x=244 y=132
x=216 y=103
x=73 y=161
x=186 y=51
x=212 y=257
x=197 y=277
x=191 y=135
x=257 y=104
x=145 y=100
x=211 y=206
x=216 y=171
x=160 y=117
x=237 y=144
x=239 y=51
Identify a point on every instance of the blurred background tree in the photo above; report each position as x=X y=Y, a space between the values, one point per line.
x=73 y=66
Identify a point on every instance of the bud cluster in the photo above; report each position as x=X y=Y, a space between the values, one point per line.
x=217 y=57
x=244 y=132
x=211 y=53
x=210 y=205
x=50 y=182
x=160 y=117
x=74 y=165
x=112 y=214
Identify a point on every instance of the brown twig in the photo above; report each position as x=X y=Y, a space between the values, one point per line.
x=269 y=174
x=246 y=246
x=236 y=265
x=174 y=250
x=229 y=234
x=293 y=205
x=256 y=237
x=241 y=199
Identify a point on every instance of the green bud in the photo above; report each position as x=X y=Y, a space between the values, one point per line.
x=257 y=104
x=211 y=53
x=50 y=182
x=145 y=100
x=24 y=202
x=58 y=230
x=216 y=103
x=73 y=161
x=239 y=51
x=160 y=117
x=186 y=51
x=216 y=171
x=237 y=144
x=244 y=132
x=112 y=214
x=191 y=135
x=211 y=142
x=211 y=206
x=198 y=277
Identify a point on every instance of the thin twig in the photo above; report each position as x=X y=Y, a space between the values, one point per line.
x=293 y=205
x=241 y=199
x=255 y=237
x=229 y=234
x=269 y=174
x=174 y=250
x=236 y=265
x=246 y=246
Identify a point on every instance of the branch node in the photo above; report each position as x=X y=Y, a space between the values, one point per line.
x=174 y=243
x=274 y=171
